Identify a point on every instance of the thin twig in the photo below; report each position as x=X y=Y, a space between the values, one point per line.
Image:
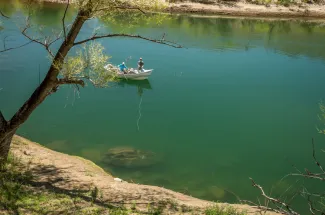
x=53 y=41
x=17 y=47
x=260 y=206
x=312 y=208
x=314 y=156
x=294 y=166
x=123 y=8
x=275 y=201
x=308 y=175
x=45 y=44
x=294 y=196
x=131 y=8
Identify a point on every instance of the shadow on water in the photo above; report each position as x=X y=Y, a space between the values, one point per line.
x=141 y=85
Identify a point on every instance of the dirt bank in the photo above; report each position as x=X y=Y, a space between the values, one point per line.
x=242 y=8
x=65 y=172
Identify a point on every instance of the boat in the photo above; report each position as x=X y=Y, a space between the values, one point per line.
x=132 y=74
x=135 y=74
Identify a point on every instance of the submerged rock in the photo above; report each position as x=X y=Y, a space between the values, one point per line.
x=217 y=192
x=213 y=193
x=129 y=157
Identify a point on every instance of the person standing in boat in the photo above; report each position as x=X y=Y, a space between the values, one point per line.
x=140 y=64
x=123 y=68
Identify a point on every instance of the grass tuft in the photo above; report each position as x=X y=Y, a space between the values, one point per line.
x=219 y=210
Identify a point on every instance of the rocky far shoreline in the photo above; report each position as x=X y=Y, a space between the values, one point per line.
x=245 y=9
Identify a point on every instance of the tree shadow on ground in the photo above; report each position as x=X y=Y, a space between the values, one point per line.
x=37 y=190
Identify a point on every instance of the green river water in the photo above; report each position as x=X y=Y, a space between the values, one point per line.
x=237 y=102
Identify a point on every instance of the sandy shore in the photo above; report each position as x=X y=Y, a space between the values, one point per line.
x=250 y=10
x=70 y=172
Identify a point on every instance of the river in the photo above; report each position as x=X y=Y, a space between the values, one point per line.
x=240 y=100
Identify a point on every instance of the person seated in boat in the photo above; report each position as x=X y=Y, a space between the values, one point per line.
x=123 y=68
x=140 y=64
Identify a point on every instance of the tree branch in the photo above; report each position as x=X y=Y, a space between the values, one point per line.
x=1 y=13
x=260 y=207
x=17 y=47
x=63 y=21
x=312 y=208
x=53 y=41
x=275 y=201
x=314 y=156
x=131 y=8
x=71 y=81
x=123 y=8
x=45 y=44
x=308 y=175
x=50 y=82
x=95 y=37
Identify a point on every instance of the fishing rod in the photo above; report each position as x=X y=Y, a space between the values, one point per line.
x=127 y=59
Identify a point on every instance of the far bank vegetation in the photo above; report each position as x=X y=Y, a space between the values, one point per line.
x=287 y=3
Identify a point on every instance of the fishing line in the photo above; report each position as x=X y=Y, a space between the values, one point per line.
x=78 y=93
x=39 y=74
x=68 y=95
x=74 y=96
x=127 y=59
x=140 y=115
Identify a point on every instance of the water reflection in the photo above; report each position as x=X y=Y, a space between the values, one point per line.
x=141 y=85
x=41 y=13
x=292 y=38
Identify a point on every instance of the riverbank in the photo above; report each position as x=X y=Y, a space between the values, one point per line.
x=71 y=175
x=262 y=9
x=242 y=8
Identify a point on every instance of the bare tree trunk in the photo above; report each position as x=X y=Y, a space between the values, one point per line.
x=49 y=85
x=5 y=140
x=5 y=147
x=50 y=82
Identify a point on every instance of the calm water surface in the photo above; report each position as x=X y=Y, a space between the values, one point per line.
x=239 y=100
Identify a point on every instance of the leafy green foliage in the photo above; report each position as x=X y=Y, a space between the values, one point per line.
x=129 y=21
x=116 y=5
x=106 y=7
x=89 y=63
x=125 y=14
